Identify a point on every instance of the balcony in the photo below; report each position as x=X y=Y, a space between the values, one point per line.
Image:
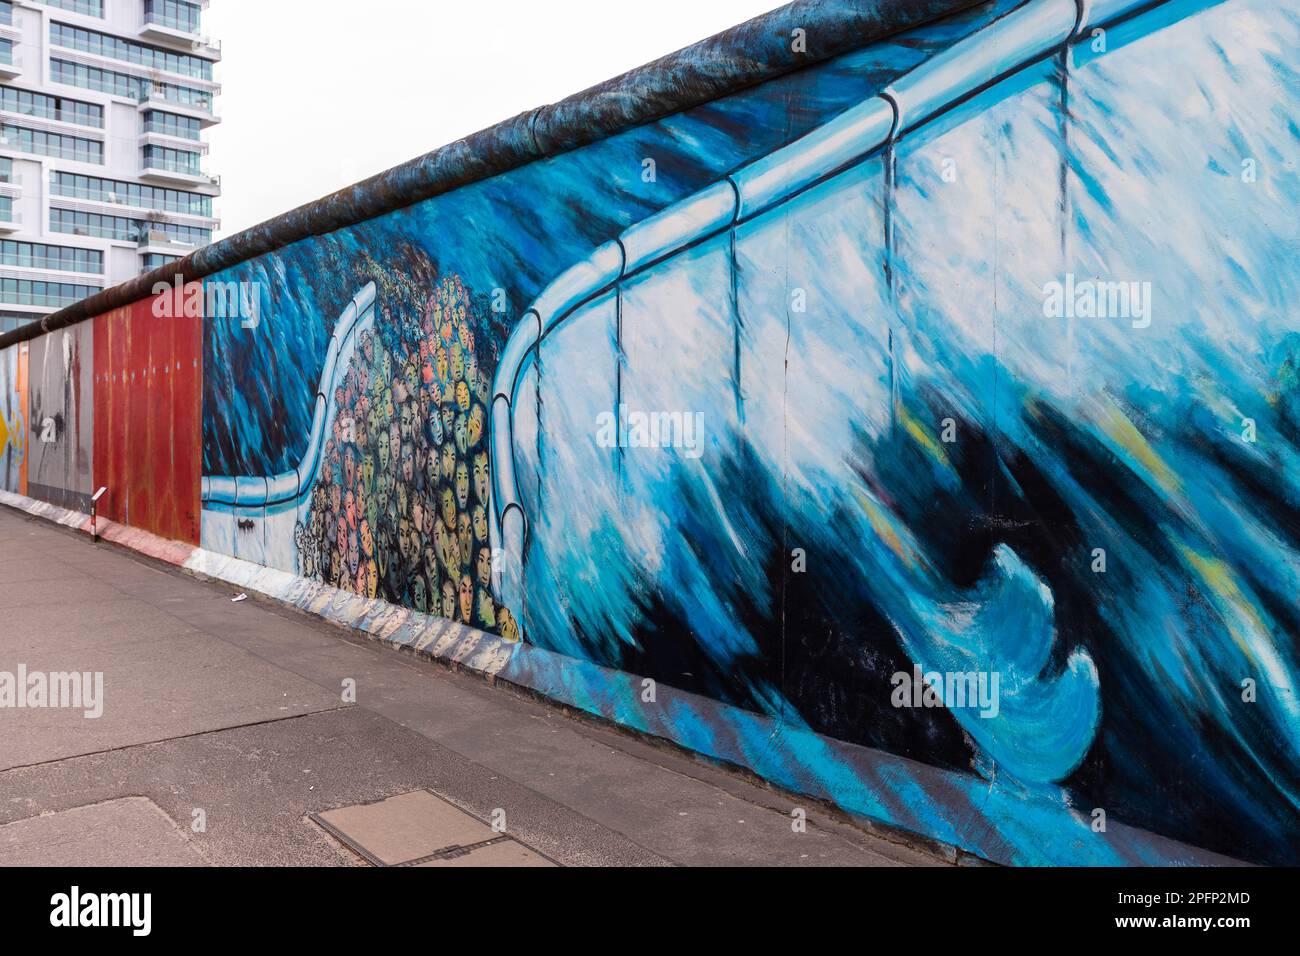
x=168 y=28
x=156 y=240
x=163 y=171
x=11 y=186
x=179 y=35
x=71 y=155
x=112 y=204
x=58 y=121
x=152 y=99
x=11 y=65
x=10 y=220
x=173 y=140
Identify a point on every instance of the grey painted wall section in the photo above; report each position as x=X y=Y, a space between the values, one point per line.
x=62 y=433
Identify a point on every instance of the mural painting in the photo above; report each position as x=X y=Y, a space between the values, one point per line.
x=61 y=401
x=879 y=485
x=13 y=419
x=906 y=462
x=400 y=508
x=146 y=419
x=937 y=402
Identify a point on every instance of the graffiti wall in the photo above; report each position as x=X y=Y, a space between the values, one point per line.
x=61 y=392
x=13 y=418
x=938 y=401
x=146 y=421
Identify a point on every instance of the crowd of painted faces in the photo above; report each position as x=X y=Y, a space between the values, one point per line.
x=401 y=508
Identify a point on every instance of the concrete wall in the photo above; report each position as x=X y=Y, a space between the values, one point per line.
x=61 y=396
x=13 y=418
x=965 y=355
x=148 y=379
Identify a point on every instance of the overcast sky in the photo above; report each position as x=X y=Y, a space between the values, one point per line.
x=317 y=94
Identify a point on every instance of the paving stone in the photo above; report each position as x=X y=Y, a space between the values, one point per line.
x=405 y=828
x=132 y=831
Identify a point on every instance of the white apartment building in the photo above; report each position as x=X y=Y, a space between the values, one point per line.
x=103 y=104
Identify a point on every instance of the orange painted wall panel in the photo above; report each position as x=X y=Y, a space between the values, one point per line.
x=148 y=394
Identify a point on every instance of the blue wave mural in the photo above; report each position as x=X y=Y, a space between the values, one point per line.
x=939 y=400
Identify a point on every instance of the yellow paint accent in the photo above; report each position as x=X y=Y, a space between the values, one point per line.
x=922 y=437
x=1220 y=581
x=881 y=526
x=1124 y=433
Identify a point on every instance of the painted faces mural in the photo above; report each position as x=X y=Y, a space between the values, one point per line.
x=392 y=512
x=976 y=446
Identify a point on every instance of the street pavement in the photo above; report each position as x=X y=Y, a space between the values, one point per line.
x=226 y=739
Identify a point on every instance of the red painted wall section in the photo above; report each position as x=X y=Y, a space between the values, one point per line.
x=148 y=394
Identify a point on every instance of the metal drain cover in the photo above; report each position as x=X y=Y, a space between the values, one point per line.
x=505 y=852
x=422 y=829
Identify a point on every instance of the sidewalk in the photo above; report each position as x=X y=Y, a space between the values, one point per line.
x=232 y=715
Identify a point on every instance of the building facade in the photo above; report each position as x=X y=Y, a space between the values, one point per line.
x=103 y=108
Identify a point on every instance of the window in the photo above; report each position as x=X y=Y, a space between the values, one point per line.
x=6 y=209
x=154 y=260
x=123 y=84
x=41 y=143
x=173 y=13
x=40 y=292
x=123 y=228
x=12 y=320
x=38 y=255
x=51 y=107
x=129 y=51
x=6 y=12
x=93 y=78
x=173 y=160
x=189 y=235
x=169 y=124
x=6 y=169
x=6 y=51
x=183 y=95
x=91 y=8
x=94 y=224
x=78 y=186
